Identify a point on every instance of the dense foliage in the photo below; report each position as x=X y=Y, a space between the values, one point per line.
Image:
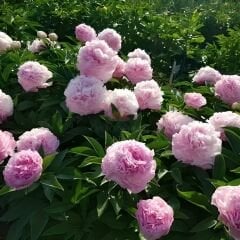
x=72 y=199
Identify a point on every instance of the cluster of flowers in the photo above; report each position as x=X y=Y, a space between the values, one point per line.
x=6 y=43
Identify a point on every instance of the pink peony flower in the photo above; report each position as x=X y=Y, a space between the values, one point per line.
x=194 y=100
x=97 y=59
x=149 y=95
x=112 y=38
x=124 y=101
x=207 y=75
x=33 y=75
x=139 y=53
x=228 y=89
x=6 y=106
x=155 y=218
x=85 y=95
x=38 y=138
x=7 y=145
x=5 y=42
x=171 y=122
x=120 y=69
x=219 y=120
x=85 y=33
x=138 y=70
x=227 y=200
x=36 y=46
x=130 y=164
x=23 y=169
x=197 y=144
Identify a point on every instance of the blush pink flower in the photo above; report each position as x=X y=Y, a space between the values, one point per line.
x=120 y=68
x=7 y=145
x=138 y=70
x=207 y=75
x=149 y=95
x=227 y=200
x=130 y=164
x=33 y=75
x=85 y=95
x=219 y=120
x=5 y=42
x=155 y=218
x=112 y=38
x=38 y=138
x=139 y=53
x=124 y=101
x=85 y=33
x=228 y=89
x=6 y=106
x=97 y=59
x=171 y=122
x=36 y=46
x=23 y=169
x=194 y=100
x=197 y=144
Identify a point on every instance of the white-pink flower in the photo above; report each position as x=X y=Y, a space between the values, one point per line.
x=207 y=75
x=138 y=70
x=227 y=200
x=130 y=164
x=194 y=100
x=6 y=106
x=37 y=139
x=197 y=144
x=85 y=33
x=85 y=95
x=120 y=68
x=5 y=42
x=97 y=59
x=228 y=89
x=112 y=38
x=155 y=218
x=171 y=122
x=36 y=46
x=139 y=53
x=149 y=95
x=124 y=101
x=33 y=75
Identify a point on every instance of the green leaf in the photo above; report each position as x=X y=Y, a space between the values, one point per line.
x=176 y=174
x=234 y=182
x=219 y=167
x=48 y=160
x=233 y=138
x=16 y=229
x=38 y=221
x=83 y=151
x=204 y=225
x=102 y=202
x=51 y=181
x=96 y=146
x=5 y=189
x=108 y=139
x=90 y=161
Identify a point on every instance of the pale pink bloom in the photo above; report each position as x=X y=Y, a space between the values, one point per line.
x=219 y=120
x=53 y=36
x=16 y=45
x=38 y=139
x=33 y=75
x=97 y=59
x=7 y=145
x=149 y=95
x=85 y=95
x=138 y=70
x=112 y=38
x=36 y=46
x=120 y=69
x=207 y=75
x=41 y=34
x=227 y=200
x=197 y=144
x=228 y=89
x=194 y=100
x=155 y=218
x=23 y=169
x=124 y=101
x=171 y=122
x=6 y=106
x=5 y=42
x=130 y=164
x=139 y=53
x=85 y=33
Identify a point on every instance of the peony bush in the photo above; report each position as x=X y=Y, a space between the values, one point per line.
x=94 y=145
